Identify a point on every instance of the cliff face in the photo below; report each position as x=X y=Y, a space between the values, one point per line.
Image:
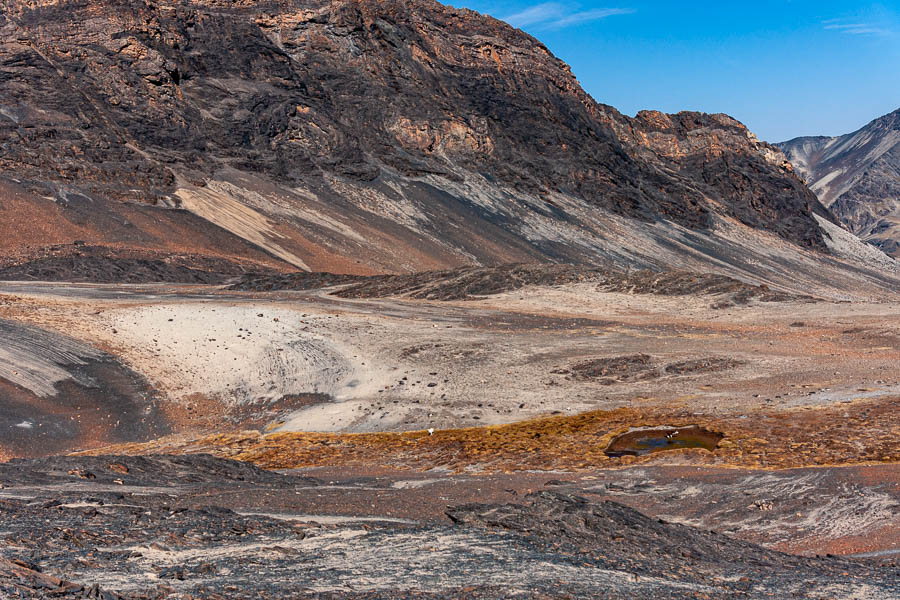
x=858 y=176
x=363 y=135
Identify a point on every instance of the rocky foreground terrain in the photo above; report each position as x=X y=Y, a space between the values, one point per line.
x=196 y=527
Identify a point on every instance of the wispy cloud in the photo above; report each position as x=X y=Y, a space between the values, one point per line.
x=856 y=28
x=556 y=15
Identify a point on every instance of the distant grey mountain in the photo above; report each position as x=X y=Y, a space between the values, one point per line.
x=858 y=177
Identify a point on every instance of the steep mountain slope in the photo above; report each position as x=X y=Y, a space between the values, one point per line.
x=858 y=176
x=35 y=226
x=368 y=136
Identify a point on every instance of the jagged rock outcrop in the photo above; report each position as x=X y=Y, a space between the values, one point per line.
x=858 y=176
x=365 y=136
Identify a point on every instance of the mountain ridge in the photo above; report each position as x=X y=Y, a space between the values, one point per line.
x=366 y=137
x=858 y=176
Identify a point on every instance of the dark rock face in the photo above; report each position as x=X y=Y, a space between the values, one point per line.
x=626 y=538
x=132 y=101
x=109 y=270
x=858 y=176
x=467 y=283
x=194 y=526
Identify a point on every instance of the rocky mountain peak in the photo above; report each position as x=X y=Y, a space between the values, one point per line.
x=888 y=121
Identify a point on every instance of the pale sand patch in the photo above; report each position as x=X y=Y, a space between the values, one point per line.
x=338 y=416
x=238 y=353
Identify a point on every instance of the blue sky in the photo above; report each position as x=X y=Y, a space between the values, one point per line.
x=785 y=68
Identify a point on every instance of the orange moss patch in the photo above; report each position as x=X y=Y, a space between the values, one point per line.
x=860 y=432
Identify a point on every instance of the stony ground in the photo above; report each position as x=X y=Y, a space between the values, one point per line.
x=197 y=527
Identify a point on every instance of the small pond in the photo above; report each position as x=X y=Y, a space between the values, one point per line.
x=658 y=439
